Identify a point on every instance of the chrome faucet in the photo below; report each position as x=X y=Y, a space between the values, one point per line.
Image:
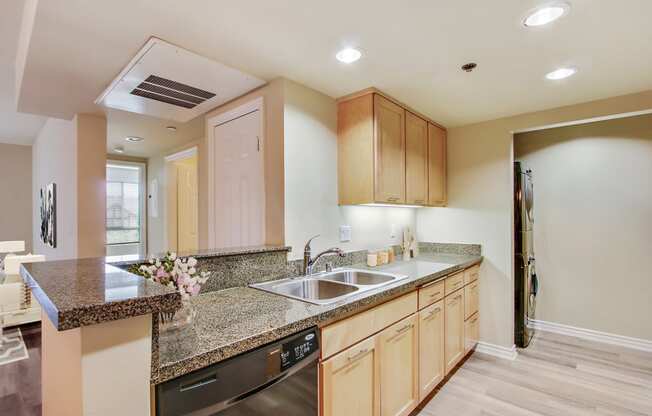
x=309 y=262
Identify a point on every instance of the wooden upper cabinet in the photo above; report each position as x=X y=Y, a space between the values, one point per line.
x=436 y=166
x=416 y=160
x=355 y=150
x=389 y=151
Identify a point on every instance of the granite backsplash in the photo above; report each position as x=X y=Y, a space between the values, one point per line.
x=241 y=269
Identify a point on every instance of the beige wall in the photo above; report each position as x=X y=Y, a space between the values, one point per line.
x=272 y=94
x=54 y=160
x=593 y=230
x=72 y=154
x=90 y=132
x=480 y=199
x=16 y=193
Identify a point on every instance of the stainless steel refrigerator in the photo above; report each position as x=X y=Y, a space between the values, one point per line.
x=526 y=284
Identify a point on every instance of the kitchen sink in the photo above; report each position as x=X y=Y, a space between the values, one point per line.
x=314 y=289
x=359 y=277
x=328 y=287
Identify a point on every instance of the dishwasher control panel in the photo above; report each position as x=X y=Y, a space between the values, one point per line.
x=289 y=353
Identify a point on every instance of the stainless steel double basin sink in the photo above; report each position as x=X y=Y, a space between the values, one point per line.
x=329 y=287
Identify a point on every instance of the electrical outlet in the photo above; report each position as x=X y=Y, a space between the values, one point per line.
x=393 y=230
x=345 y=233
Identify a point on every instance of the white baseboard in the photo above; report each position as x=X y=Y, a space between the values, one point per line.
x=497 y=350
x=591 y=335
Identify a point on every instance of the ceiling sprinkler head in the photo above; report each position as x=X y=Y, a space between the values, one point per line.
x=469 y=67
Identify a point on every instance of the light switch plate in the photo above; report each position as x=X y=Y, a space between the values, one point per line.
x=345 y=233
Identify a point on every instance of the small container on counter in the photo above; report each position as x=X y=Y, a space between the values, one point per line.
x=383 y=257
x=391 y=256
x=372 y=259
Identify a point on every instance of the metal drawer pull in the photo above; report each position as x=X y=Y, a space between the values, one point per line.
x=474 y=320
x=432 y=295
x=405 y=328
x=358 y=354
x=456 y=284
x=393 y=199
x=433 y=312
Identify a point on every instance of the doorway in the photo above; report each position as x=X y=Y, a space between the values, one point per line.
x=126 y=232
x=236 y=186
x=183 y=201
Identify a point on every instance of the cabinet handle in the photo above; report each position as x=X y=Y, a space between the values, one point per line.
x=474 y=320
x=432 y=295
x=454 y=300
x=405 y=328
x=433 y=312
x=393 y=199
x=456 y=284
x=358 y=354
x=418 y=201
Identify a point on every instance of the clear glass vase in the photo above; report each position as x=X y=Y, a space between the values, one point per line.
x=174 y=321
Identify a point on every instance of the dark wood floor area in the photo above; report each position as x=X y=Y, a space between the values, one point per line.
x=20 y=381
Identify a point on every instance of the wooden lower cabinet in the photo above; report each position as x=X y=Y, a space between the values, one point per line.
x=399 y=367
x=431 y=348
x=454 y=323
x=351 y=381
x=471 y=332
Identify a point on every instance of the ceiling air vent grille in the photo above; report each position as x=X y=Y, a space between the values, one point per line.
x=171 y=92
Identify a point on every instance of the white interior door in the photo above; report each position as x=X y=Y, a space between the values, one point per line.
x=239 y=191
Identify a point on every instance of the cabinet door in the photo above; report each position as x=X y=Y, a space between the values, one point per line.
x=471 y=299
x=416 y=160
x=351 y=381
x=389 y=151
x=454 y=324
x=471 y=332
x=431 y=348
x=398 y=348
x=436 y=165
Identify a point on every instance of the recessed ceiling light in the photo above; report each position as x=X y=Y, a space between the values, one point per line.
x=134 y=139
x=546 y=14
x=119 y=149
x=171 y=128
x=561 y=73
x=348 y=55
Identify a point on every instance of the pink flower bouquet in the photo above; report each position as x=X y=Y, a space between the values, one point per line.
x=175 y=272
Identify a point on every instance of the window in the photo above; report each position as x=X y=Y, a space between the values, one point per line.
x=124 y=208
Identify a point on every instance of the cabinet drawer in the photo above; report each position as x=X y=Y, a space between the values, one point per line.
x=342 y=334
x=471 y=299
x=431 y=293
x=471 y=274
x=471 y=332
x=454 y=283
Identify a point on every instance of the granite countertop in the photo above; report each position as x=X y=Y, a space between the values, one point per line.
x=198 y=254
x=83 y=292
x=233 y=321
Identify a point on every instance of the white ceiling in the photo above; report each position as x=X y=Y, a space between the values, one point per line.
x=158 y=140
x=412 y=50
x=15 y=128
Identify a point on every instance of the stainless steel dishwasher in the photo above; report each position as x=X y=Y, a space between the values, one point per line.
x=276 y=379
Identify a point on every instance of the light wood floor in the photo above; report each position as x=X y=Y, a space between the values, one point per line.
x=556 y=376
